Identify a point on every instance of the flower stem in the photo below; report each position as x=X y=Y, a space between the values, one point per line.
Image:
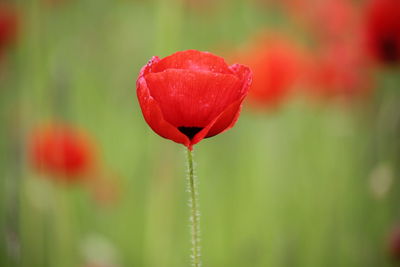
x=195 y=214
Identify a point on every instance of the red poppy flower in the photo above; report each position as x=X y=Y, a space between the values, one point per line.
x=277 y=66
x=340 y=70
x=336 y=19
x=328 y=19
x=383 y=30
x=8 y=26
x=62 y=151
x=191 y=95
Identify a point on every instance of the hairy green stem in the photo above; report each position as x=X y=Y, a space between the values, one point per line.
x=195 y=214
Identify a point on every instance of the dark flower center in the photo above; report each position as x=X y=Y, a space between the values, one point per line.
x=389 y=50
x=190 y=132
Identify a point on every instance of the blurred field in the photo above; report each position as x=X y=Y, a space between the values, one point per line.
x=307 y=184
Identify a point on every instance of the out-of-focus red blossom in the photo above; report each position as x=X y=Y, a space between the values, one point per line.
x=383 y=30
x=67 y=154
x=340 y=70
x=9 y=21
x=62 y=151
x=278 y=66
x=191 y=95
x=329 y=19
x=336 y=19
x=394 y=243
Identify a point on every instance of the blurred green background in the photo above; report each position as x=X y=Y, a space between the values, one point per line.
x=308 y=184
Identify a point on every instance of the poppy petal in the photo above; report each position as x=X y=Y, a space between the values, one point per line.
x=192 y=60
x=191 y=98
x=227 y=119
x=244 y=74
x=154 y=117
x=221 y=123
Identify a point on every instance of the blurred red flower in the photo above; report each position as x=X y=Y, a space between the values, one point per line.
x=383 y=30
x=62 y=151
x=66 y=153
x=8 y=26
x=336 y=19
x=329 y=20
x=191 y=95
x=340 y=70
x=278 y=66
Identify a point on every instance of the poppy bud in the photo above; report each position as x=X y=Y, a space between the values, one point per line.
x=191 y=95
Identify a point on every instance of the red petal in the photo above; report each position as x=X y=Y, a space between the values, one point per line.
x=227 y=119
x=192 y=60
x=244 y=74
x=154 y=117
x=193 y=98
x=221 y=123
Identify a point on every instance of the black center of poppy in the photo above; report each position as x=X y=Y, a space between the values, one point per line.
x=389 y=50
x=190 y=132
